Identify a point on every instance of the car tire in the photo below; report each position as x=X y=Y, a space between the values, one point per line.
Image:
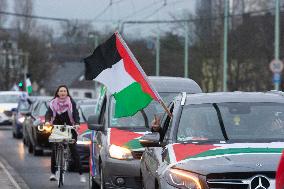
x=92 y=183
x=30 y=147
x=37 y=152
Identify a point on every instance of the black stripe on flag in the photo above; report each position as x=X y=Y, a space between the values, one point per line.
x=103 y=57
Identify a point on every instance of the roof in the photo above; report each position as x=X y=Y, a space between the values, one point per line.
x=66 y=74
x=174 y=84
x=223 y=97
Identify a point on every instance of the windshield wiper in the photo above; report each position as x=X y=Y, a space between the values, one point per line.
x=221 y=121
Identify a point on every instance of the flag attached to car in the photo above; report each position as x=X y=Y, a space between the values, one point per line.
x=113 y=64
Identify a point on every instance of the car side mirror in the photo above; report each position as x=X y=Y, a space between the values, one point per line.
x=96 y=127
x=28 y=114
x=14 y=109
x=150 y=140
x=93 y=119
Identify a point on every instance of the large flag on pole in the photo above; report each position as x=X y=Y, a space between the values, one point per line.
x=29 y=88
x=113 y=64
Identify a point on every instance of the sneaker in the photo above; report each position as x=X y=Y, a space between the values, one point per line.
x=52 y=177
x=82 y=178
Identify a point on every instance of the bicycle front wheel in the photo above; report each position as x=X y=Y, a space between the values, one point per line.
x=60 y=167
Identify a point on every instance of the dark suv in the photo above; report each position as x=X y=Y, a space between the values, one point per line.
x=216 y=140
x=116 y=151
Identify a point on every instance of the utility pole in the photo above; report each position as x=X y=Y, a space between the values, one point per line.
x=225 y=63
x=158 y=54
x=276 y=38
x=26 y=66
x=186 y=51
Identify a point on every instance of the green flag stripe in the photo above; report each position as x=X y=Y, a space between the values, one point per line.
x=130 y=100
x=133 y=144
x=231 y=151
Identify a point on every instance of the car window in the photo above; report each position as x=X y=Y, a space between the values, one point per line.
x=87 y=110
x=135 y=121
x=242 y=121
x=23 y=106
x=12 y=98
x=42 y=109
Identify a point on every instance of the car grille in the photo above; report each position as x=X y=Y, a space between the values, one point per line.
x=234 y=180
x=137 y=154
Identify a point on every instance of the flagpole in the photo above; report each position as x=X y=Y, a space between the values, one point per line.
x=160 y=100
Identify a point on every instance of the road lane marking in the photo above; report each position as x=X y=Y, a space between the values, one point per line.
x=9 y=176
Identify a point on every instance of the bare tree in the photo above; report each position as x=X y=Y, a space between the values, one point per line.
x=25 y=7
x=3 y=7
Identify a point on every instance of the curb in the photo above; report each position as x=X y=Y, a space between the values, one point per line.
x=13 y=176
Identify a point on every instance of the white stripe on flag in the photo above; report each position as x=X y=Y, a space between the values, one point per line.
x=115 y=78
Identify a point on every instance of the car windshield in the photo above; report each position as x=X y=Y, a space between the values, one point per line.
x=242 y=121
x=12 y=98
x=41 y=110
x=138 y=120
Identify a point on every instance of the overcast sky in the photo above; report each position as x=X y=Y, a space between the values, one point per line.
x=102 y=12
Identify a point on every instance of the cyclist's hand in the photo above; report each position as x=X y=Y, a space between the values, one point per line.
x=77 y=126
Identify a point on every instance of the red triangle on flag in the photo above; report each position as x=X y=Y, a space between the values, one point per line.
x=120 y=137
x=182 y=151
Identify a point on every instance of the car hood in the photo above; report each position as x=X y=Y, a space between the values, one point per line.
x=126 y=138
x=7 y=106
x=220 y=158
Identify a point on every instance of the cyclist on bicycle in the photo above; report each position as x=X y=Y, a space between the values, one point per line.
x=62 y=110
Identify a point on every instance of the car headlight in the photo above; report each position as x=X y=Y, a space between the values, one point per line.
x=83 y=141
x=47 y=128
x=118 y=152
x=21 y=119
x=183 y=179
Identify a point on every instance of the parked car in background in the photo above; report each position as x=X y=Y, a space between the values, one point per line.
x=8 y=104
x=116 y=151
x=18 y=116
x=86 y=108
x=216 y=140
x=36 y=131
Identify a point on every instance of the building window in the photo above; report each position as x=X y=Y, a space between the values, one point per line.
x=88 y=95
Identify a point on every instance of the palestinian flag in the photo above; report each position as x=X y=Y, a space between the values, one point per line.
x=29 y=88
x=113 y=64
x=280 y=173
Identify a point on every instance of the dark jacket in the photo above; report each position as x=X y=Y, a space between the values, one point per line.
x=63 y=118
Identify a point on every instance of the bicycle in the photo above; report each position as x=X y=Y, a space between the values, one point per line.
x=61 y=136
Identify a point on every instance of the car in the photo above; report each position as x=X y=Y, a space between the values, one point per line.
x=18 y=116
x=37 y=133
x=216 y=140
x=85 y=108
x=116 y=151
x=8 y=104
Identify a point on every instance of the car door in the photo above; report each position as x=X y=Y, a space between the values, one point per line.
x=154 y=157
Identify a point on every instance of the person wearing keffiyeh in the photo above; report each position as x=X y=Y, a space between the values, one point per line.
x=62 y=110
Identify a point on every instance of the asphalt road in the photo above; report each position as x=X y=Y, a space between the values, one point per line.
x=35 y=171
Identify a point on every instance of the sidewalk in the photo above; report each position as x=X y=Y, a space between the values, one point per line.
x=9 y=178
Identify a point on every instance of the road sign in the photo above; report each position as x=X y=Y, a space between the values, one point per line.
x=276 y=66
x=276 y=78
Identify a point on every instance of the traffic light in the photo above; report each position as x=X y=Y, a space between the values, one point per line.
x=20 y=84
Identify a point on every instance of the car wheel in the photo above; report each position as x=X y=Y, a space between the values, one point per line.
x=37 y=152
x=92 y=183
x=30 y=147
x=157 y=186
